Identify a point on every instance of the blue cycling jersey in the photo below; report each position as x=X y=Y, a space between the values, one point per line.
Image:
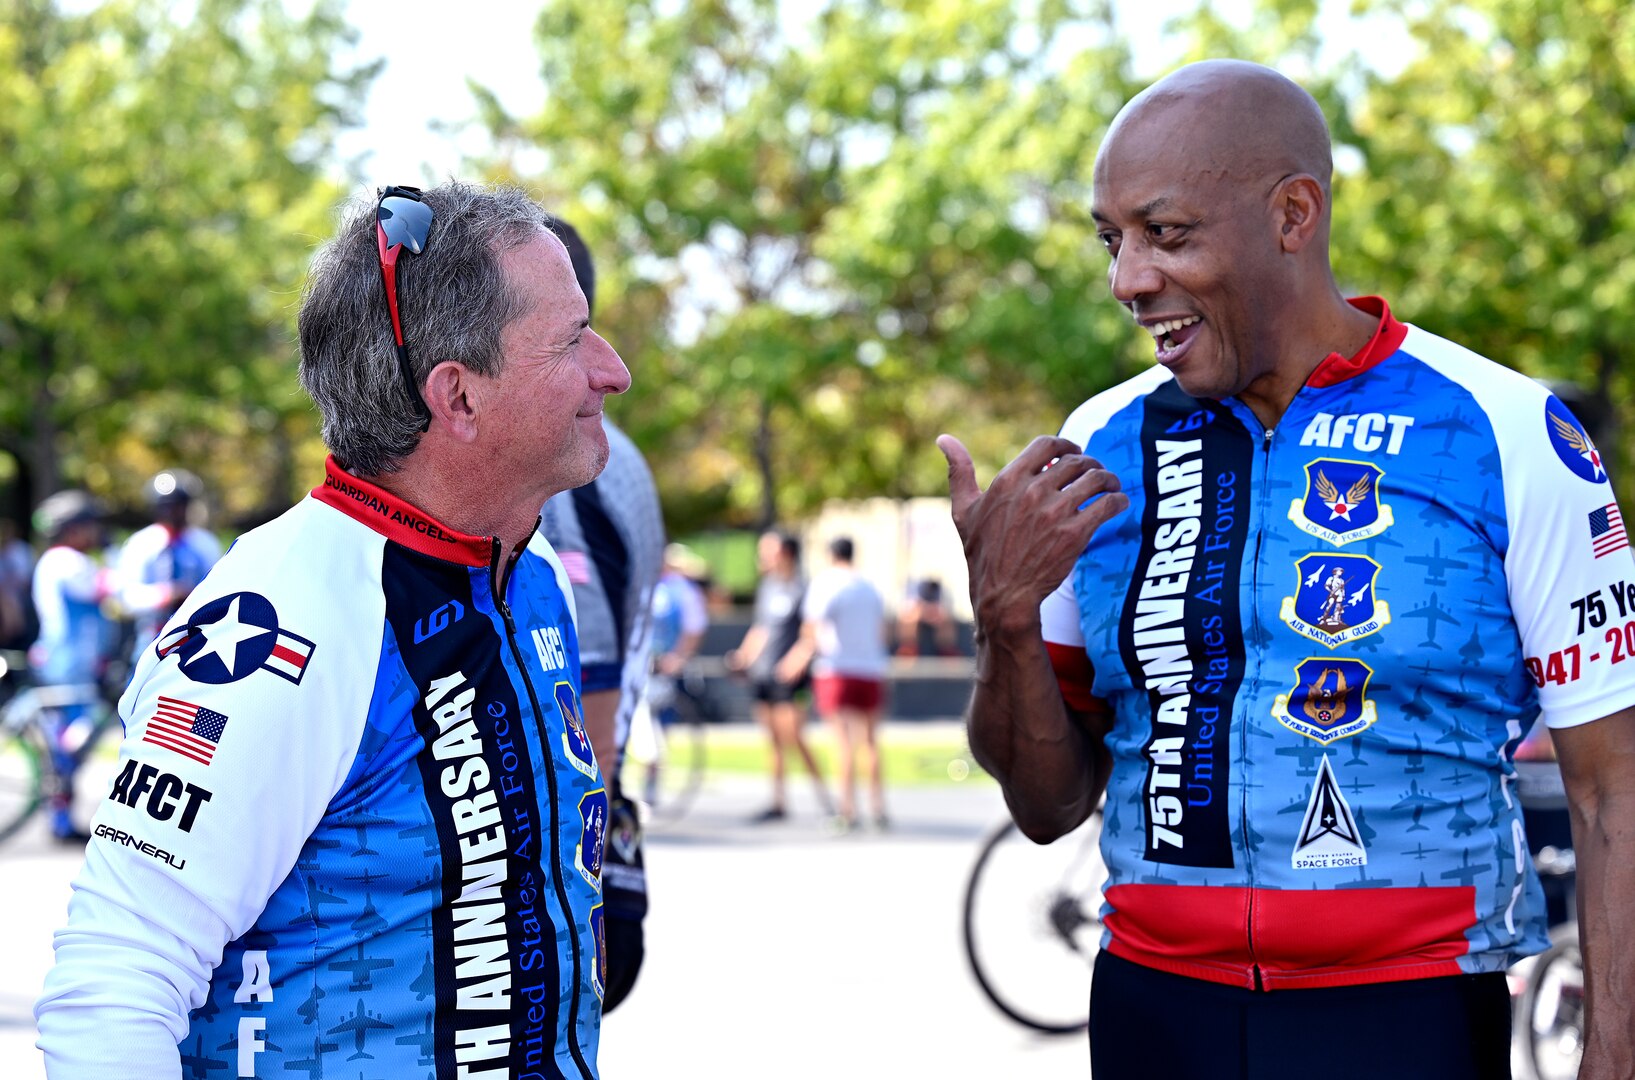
x=357 y=818
x=1320 y=645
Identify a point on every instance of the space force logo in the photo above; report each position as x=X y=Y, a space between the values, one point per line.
x=1572 y=443
x=1342 y=502
x=1328 y=833
x=1329 y=700
x=1334 y=599
x=233 y=636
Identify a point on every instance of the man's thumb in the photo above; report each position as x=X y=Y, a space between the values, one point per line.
x=962 y=486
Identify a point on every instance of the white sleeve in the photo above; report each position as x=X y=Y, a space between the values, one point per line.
x=1567 y=563
x=1059 y=617
x=219 y=785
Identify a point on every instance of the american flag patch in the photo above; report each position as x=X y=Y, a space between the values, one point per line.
x=1607 y=530
x=577 y=566
x=190 y=730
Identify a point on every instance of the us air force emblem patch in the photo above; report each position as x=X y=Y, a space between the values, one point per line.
x=1342 y=502
x=1329 y=700
x=1572 y=443
x=1328 y=834
x=1334 y=599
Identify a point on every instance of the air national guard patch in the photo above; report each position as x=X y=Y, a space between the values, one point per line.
x=1342 y=502
x=1329 y=700
x=592 y=837
x=1572 y=443
x=1328 y=834
x=1334 y=599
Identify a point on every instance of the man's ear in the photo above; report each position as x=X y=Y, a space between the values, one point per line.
x=1298 y=205
x=454 y=395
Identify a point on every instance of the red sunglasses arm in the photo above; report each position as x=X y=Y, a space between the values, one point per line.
x=388 y=273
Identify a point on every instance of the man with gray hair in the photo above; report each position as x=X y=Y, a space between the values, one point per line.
x=357 y=813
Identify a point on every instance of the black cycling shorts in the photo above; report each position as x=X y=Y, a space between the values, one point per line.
x=1151 y=1025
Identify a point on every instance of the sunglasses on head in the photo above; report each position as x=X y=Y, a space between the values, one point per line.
x=402 y=220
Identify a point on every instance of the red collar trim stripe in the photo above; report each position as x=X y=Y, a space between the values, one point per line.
x=397 y=520
x=1387 y=339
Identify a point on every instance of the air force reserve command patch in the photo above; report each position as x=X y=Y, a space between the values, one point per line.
x=1334 y=599
x=233 y=636
x=1572 y=443
x=1342 y=502
x=1329 y=700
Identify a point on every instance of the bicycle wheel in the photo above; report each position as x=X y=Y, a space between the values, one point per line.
x=1032 y=925
x=22 y=777
x=1551 y=1011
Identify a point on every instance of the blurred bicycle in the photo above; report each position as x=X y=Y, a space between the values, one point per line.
x=1547 y=991
x=667 y=743
x=1033 y=924
x=29 y=762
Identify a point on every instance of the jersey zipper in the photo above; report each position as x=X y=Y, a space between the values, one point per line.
x=550 y=783
x=1260 y=659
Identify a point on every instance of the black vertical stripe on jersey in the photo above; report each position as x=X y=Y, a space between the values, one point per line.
x=414 y=586
x=1211 y=619
x=607 y=548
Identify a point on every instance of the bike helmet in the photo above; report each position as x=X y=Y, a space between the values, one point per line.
x=173 y=487
x=57 y=512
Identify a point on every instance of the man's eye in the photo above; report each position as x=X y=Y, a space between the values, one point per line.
x=1107 y=239
x=1161 y=231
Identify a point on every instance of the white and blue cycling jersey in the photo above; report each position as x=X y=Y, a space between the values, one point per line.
x=158 y=567
x=1320 y=645
x=356 y=818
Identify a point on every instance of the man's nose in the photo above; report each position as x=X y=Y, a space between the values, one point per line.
x=1133 y=275
x=607 y=371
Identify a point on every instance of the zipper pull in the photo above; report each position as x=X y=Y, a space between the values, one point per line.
x=1266 y=441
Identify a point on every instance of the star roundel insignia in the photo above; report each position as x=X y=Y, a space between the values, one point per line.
x=233 y=636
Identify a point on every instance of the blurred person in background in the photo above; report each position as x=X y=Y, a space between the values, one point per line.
x=774 y=631
x=356 y=797
x=165 y=561
x=609 y=535
x=17 y=622
x=924 y=626
x=75 y=635
x=680 y=617
x=1308 y=818
x=843 y=645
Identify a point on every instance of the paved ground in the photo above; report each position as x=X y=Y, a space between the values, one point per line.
x=772 y=950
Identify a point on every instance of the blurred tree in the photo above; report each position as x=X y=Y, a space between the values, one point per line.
x=1485 y=169
x=152 y=172
x=879 y=215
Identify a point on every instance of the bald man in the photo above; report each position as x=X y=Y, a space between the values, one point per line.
x=1315 y=853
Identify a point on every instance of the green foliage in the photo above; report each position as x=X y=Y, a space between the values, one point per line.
x=152 y=172
x=1484 y=175
x=1493 y=197
x=885 y=205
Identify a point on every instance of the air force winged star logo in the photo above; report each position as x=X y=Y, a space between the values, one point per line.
x=1329 y=700
x=1334 y=599
x=233 y=636
x=1342 y=502
x=1572 y=443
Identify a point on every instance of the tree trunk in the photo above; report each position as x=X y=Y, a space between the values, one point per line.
x=763 y=465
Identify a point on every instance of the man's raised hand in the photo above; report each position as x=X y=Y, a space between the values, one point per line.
x=1024 y=533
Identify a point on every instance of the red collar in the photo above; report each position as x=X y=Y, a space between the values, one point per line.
x=1387 y=339
x=397 y=520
